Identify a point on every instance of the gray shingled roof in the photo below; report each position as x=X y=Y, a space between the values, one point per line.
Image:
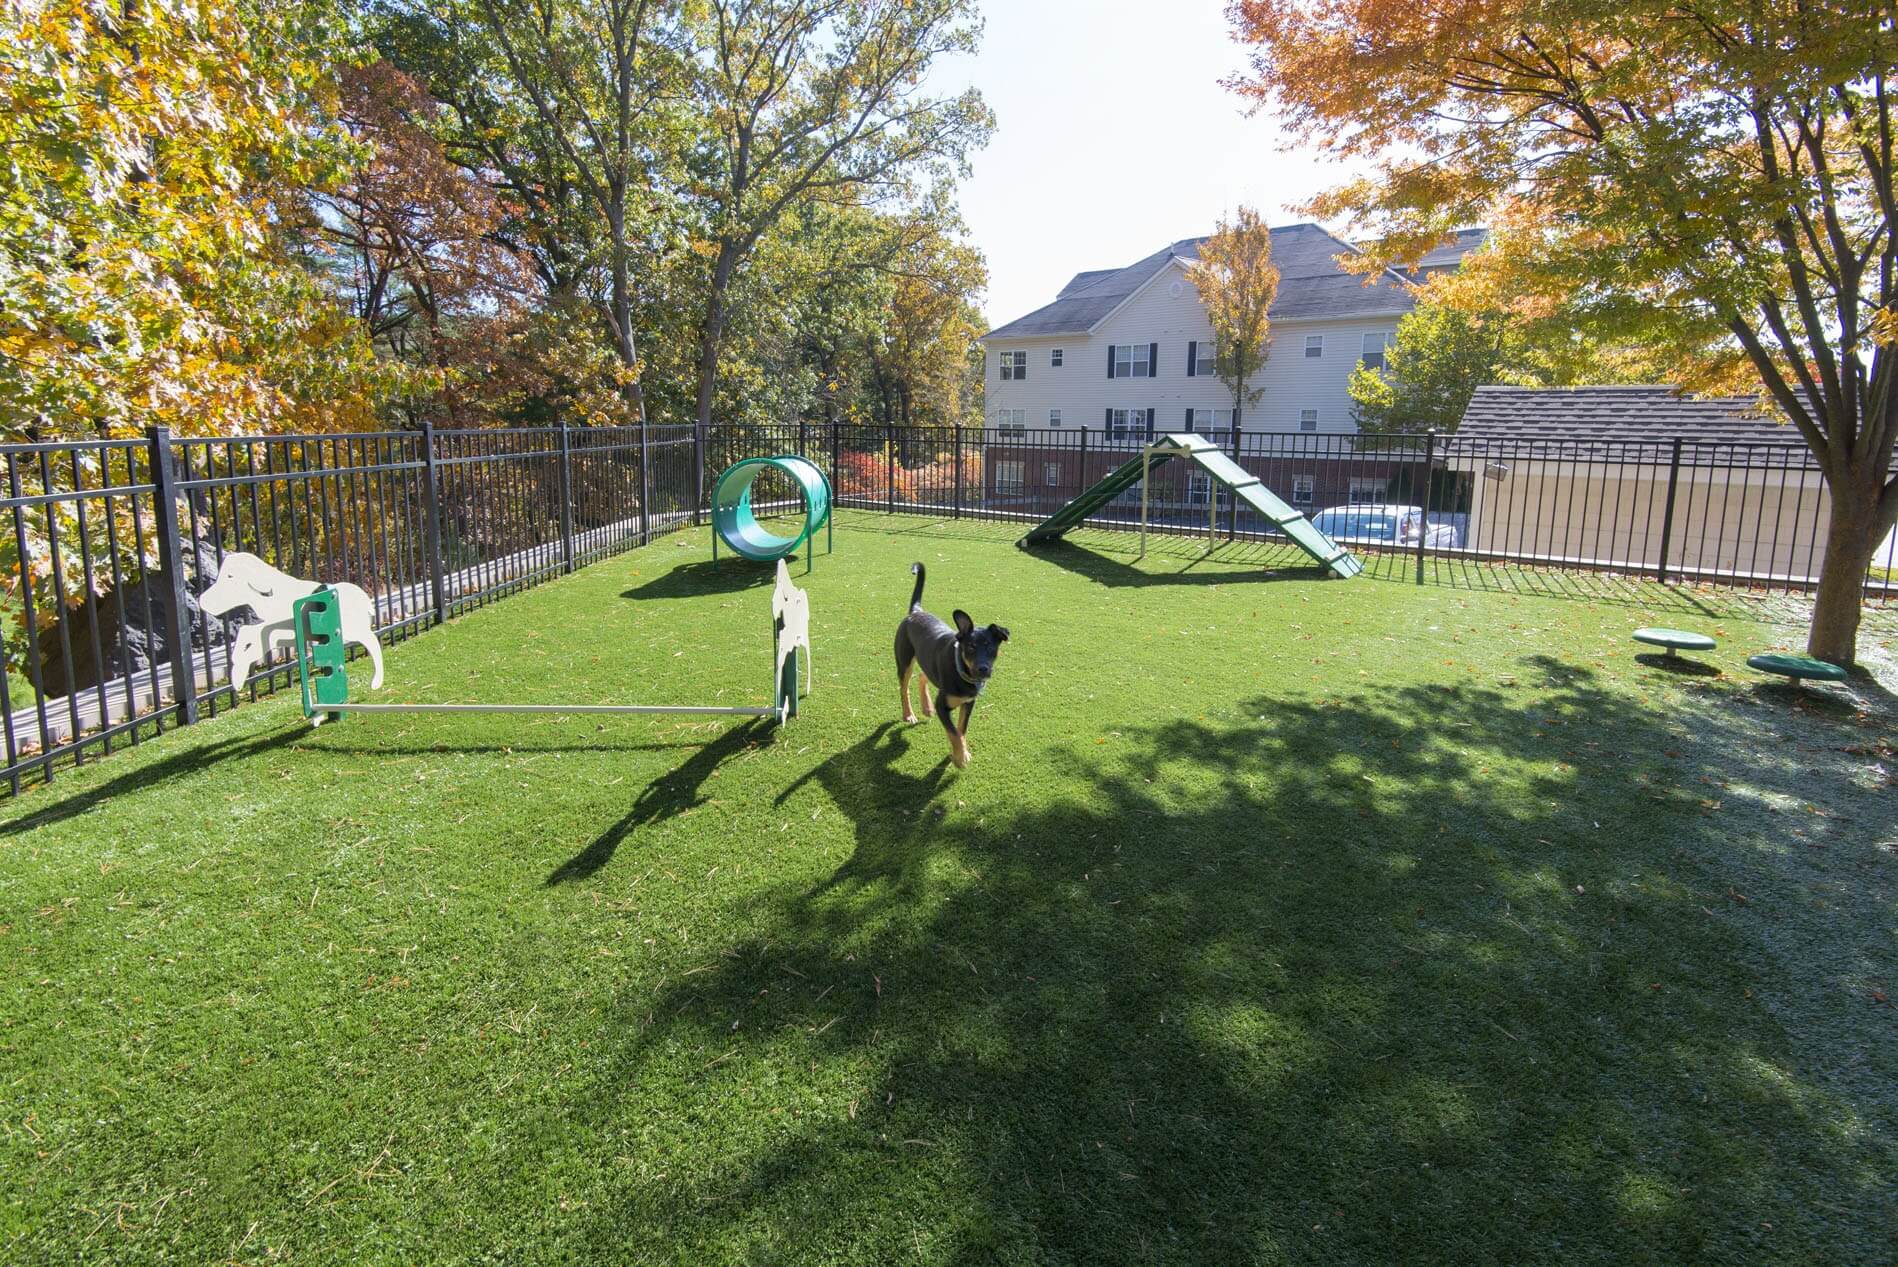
x=1310 y=285
x=1634 y=423
x=1452 y=252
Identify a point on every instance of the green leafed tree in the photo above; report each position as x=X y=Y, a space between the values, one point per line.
x=814 y=100
x=1431 y=369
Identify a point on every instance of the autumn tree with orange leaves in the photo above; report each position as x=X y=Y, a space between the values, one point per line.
x=1673 y=170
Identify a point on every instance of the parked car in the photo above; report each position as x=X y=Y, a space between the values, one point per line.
x=1375 y=524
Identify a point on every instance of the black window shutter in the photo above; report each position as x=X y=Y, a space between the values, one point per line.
x=1110 y=360
x=1021 y=366
x=1108 y=421
x=1189 y=420
x=1149 y=423
x=1153 y=360
x=1192 y=358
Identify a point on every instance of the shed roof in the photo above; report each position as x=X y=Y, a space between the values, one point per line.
x=1633 y=423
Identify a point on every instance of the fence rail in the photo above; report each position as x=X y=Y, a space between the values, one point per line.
x=113 y=540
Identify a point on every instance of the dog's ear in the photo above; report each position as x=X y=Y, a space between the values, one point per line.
x=998 y=632
x=964 y=626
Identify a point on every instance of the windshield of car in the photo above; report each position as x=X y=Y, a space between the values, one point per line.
x=1381 y=527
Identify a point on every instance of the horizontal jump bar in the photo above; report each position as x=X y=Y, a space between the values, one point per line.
x=541 y=708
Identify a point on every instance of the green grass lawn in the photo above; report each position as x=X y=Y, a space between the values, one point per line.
x=1278 y=920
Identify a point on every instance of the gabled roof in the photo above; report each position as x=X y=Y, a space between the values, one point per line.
x=1310 y=285
x=1631 y=422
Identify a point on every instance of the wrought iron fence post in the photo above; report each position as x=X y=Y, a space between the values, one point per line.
x=1423 y=500
x=1667 y=516
x=1083 y=486
x=1232 y=499
x=889 y=471
x=698 y=471
x=803 y=436
x=957 y=459
x=432 y=528
x=645 y=484
x=566 y=499
x=836 y=476
x=171 y=561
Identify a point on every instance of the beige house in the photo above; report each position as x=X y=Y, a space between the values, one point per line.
x=1639 y=479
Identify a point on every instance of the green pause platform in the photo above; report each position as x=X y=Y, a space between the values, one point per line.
x=736 y=524
x=1210 y=458
x=1799 y=668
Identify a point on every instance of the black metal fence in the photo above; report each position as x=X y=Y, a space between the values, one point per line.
x=111 y=542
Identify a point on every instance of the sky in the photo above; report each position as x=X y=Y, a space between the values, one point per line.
x=1112 y=139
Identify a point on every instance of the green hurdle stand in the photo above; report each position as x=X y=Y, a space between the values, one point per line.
x=321 y=655
x=323 y=670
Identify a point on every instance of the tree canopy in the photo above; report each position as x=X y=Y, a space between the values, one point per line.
x=1712 y=175
x=234 y=217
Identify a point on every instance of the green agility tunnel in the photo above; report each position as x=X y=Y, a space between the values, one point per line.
x=734 y=523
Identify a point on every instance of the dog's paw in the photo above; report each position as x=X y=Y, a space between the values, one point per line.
x=910 y=718
x=961 y=759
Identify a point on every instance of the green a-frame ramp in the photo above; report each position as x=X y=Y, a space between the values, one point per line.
x=1244 y=485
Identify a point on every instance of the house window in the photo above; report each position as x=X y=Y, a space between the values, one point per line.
x=1373 y=357
x=1011 y=422
x=1214 y=424
x=1014 y=365
x=1314 y=346
x=1132 y=360
x=1054 y=358
x=1301 y=489
x=1199 y=489
x=1308 y=420
x=1366 y=489
x=1008 y=477
x=1126 y=423
x=1054 y=417
x=1204 y=364
x=1051 y=474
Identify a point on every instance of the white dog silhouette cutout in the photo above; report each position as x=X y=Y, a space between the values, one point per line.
x=244 y=580
x=792 y=606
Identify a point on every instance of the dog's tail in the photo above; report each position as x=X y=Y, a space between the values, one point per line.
x=916 y=595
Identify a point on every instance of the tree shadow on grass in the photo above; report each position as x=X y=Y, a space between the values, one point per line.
x=1436 y=974
x=1682 y=665
x=186 y=760
x=673 y=793
x=691 y=580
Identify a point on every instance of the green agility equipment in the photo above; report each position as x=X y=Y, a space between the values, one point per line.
x=1799 y=668
x=323 y=670
x=1246 y=486
x=734 y=523
x=1675 y=639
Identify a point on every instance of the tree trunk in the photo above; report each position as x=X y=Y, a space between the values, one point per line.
x=711 y=336
x=1857 y=525
x=622 y=300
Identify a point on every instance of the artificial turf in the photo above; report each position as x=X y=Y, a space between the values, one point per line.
x=1278 y=920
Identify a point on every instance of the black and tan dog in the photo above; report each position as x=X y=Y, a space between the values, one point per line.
x=956 y=661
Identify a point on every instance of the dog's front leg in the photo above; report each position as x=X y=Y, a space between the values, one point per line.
x=945 y=712
x=964 y=728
